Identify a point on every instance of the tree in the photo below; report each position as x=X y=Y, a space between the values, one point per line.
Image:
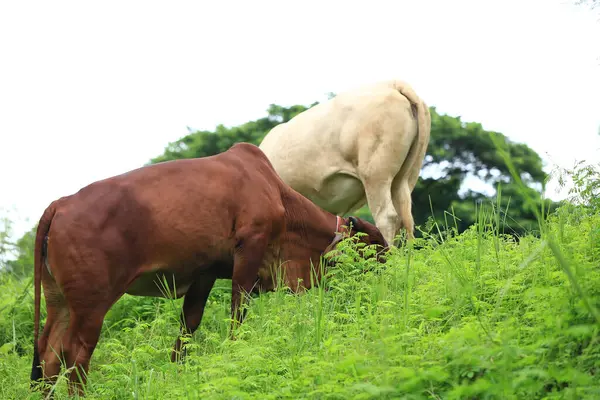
x=25 y=246
x=457 y=150
x=208 y=143
x=592 y=4
x=6 y=246
x=16 y=258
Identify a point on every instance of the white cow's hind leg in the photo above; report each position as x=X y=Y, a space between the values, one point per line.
x=385 y=142
x=379 y=198
x=402 y=201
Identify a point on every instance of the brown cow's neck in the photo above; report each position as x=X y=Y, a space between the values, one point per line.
x=309 y=232
x=308 y=222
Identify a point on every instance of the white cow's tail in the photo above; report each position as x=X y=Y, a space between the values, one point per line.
x=416 y=154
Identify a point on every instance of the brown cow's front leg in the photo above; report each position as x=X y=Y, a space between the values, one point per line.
x=193 y=309
x=247 y=260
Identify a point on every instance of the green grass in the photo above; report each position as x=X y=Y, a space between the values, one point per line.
x=475 y=315
x=478 y=315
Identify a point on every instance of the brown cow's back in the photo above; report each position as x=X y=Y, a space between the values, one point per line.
x=181 y=217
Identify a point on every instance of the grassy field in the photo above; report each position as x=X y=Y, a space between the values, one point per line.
x=478 y=315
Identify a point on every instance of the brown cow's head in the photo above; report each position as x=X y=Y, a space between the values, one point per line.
x=373 y=236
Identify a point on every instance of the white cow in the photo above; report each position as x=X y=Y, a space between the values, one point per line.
x=366 y=145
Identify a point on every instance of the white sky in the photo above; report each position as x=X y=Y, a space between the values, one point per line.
x=93 y=89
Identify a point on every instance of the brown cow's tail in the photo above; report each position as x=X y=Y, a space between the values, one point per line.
x=39 y=255
x=417 y=151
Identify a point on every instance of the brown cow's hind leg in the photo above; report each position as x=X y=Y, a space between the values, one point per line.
x=87 y=309
x=193 y=310
x=82 y=336
x=47 y=360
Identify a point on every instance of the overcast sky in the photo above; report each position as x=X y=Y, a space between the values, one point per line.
x=93 y=89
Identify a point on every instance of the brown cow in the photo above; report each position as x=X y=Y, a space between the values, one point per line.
x=227 y=216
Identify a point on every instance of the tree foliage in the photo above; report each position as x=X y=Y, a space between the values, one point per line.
x=16 y=257
x=208 y=143
x=457 y=150
x=592 y=4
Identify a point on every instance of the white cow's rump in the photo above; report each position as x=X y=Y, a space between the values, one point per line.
x=366 y=145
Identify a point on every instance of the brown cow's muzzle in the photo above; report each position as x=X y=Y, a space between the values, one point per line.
x=382 y=253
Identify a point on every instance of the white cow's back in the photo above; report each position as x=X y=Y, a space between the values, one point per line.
x=324 y=151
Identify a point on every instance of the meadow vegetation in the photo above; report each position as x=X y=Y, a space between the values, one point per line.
x=473 y=314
